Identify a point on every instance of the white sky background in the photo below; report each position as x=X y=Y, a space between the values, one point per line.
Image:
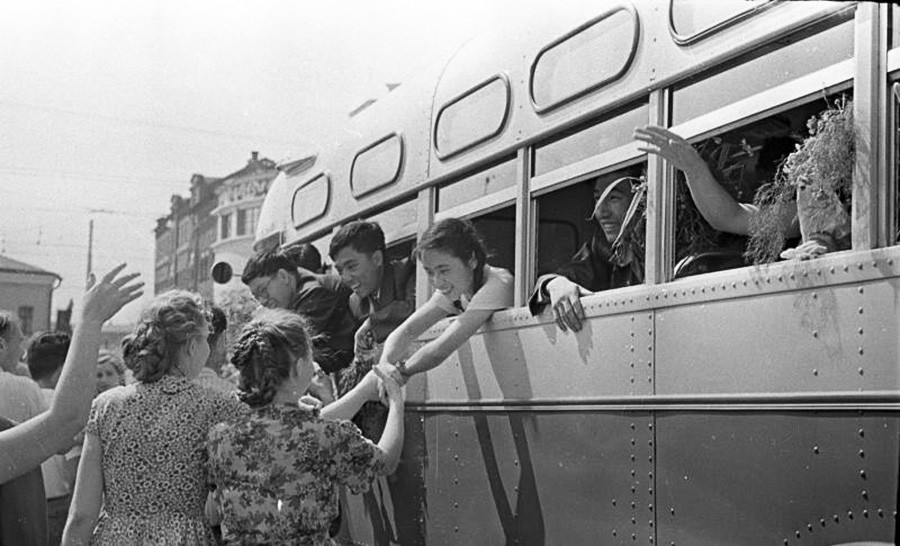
x=114 y=105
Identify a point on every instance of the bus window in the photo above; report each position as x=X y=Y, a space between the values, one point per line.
x=498 y=229
x=597 y=244
x=398 y=222
x=768 y=69
x=377 y=165
x=585 y=60
x=484 y=182
x=310 y=201
x=894 y=27
x=468 y=120
x=691 y=20
x=612 y=131
x=742 y=161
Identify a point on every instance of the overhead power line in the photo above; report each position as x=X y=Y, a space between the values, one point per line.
x=148 y=123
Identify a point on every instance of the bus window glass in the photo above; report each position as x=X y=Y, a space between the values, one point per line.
x=498 y=229
x=742 y=161
x=609 y=133
x=472 y=118
x=310 y=200
x=593 y=232
x=484 y=182
x=691 y=19
x=585 y=60
x=377 y=165
x=397 y=222
x=894 y=27
x=768 y=70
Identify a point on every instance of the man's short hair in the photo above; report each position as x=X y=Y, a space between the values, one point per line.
x=217 y=322
x=7 y=319
x=266 y=264
x=46 y=353
x=305 y=255
x=360 y=235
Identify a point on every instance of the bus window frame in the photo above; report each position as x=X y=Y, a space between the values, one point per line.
x=444 y=156
x=635 y=42
x=838 y=77
x=892 y=137
x=690 y=39
x=322 y=174
x=400 y=164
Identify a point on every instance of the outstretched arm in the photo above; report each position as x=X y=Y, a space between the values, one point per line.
x=721 y=210
x=391 y=442
x=25 y=446
x=437 y=350
x=347 y=406
x=398 y=342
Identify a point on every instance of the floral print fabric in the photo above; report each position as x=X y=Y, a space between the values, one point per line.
x=277 y=474
x=155 y=481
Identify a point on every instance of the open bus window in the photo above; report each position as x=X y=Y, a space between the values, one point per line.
x=745 y=163
x=498 y=229
x=593 y=232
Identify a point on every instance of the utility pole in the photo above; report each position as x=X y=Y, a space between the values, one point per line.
x=87 y=278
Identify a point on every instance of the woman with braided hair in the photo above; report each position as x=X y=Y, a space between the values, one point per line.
x=277 y=471
x=143 y=470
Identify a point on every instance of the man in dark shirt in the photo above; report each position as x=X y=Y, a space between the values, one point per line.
x=276 y=282
x=23 y=508
x=384 y=292
x=384 y=295
x=596 y=266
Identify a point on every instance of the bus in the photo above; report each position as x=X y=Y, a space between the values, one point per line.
x=717 y=402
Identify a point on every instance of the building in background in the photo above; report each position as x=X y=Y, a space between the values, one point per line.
x=27 y=292
x=184 y=238
x=216 y=223
x=241 y=195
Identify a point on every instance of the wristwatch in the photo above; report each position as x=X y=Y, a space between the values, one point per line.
x=400 y=365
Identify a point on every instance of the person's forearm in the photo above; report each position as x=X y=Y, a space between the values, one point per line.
x=78 y=530
x=427 y=357
x=77 y=384
x=391 y=442
x=347 y=406
x=717 y=206
x=396 y=345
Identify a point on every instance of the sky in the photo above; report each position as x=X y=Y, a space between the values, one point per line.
x=108 y=107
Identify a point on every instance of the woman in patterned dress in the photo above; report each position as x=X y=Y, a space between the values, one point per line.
x=277 y=471
x=143 y=471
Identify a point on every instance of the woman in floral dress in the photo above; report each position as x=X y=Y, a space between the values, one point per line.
x=143 y=471
x=277 y=471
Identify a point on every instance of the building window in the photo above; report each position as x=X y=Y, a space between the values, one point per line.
x=242 y=222
x=26 y=319
x=225 y=230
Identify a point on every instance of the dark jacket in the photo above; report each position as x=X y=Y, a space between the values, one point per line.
x=395 y=301
x=324 y=301
x=590 y=268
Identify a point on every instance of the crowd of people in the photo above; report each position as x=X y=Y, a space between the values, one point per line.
x=157 y=446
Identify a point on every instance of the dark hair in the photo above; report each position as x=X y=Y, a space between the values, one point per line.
x=267 y=351
x=46 y=353
x=458 y=237
x=218 y=322
x=360 y=235
x=305 y=255
x=265 y=264
x=165 y=325
x=772 y=154
x=6 y=320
